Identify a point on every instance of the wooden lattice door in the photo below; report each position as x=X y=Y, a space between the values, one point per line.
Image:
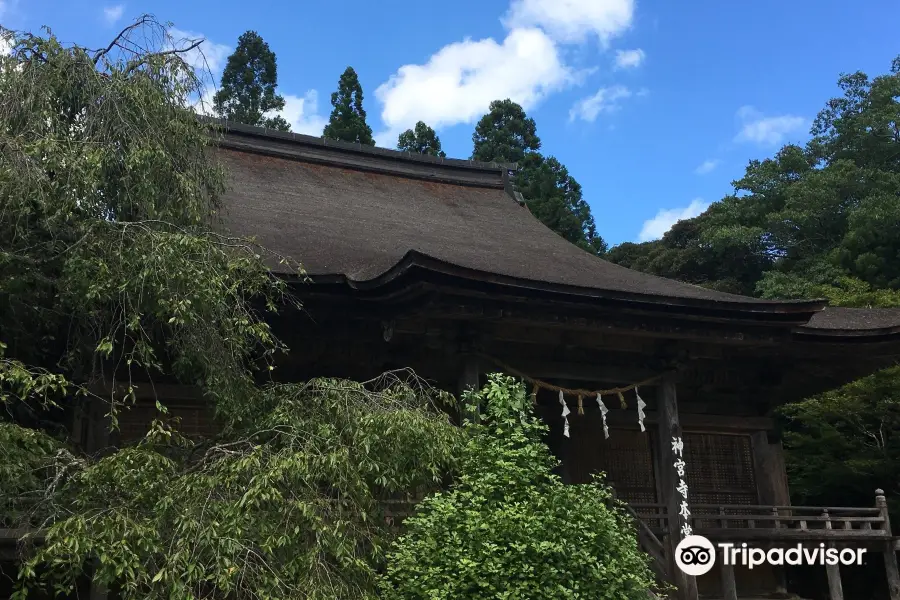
x=720 y=471
x=626 y=458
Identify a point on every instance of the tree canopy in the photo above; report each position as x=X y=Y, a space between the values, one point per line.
x=507 y=135
x=422 y=140
x=348 y=117
x=820 y=220
x=247 y=91
x=504 y=134
x=114 y=274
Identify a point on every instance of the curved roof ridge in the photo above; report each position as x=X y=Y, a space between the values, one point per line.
x=355 y=155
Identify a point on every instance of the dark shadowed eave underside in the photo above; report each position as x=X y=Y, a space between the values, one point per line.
x=368 y=217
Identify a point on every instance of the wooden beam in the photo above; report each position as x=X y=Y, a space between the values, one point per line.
x=890 y=554
x=698 y=422
x=669 y=428
x=541 y=369
x=772 y=535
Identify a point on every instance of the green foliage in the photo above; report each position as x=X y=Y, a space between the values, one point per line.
x=348 y=117
x=247 y=92
x=421 y=141
x=844 y=444
x=506 y=135
x=32 y=465
x=110 y=264
x=112 y=268
x=509 y=528
x=555 y=198
x=288 y=506
x=822 y=220
x=819 y=221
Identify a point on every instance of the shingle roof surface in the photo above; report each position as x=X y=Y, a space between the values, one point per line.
x=339 y=221
x=360 y=223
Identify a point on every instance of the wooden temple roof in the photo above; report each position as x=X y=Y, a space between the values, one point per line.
x=363 y=218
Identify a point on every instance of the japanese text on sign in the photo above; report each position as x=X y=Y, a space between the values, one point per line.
x=684 y=510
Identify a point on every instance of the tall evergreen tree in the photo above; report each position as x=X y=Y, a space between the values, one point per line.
x=348 y=118
x=422 y=141
x=247 y=91
x=507 y=134
x=504 y=134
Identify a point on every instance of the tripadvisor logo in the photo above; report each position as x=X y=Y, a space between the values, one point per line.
x=696 y=555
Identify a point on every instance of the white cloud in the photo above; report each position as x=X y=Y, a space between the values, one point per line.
x=656 y=227
x=770 y=131
x=708 y=166
x=113 y=13
x=605 y=100
x=302 y=113
x=458 y=82
x=5 y=45
x=573 y=21
x=207 y=55
x=629 y=59
x=203 y=104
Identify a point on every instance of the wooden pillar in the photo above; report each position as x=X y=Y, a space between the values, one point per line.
x=771 y=486
x=890 y=554
x=769 y=471
x=729 y=587
x=835 y=589
x=669 y=427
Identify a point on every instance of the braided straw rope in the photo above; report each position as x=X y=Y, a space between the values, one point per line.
x=538 y=384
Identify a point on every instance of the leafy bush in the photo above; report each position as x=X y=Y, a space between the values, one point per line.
x=509 y=528
x=289 y=505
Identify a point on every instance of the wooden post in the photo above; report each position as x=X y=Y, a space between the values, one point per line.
x=771 y=486
x=890 y=555
x=729 y=587
x=669 y=427
x=835 y=589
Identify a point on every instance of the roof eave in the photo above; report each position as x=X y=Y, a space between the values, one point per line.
x=789 y=313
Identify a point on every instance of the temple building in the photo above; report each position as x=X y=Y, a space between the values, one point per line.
x=437 y=265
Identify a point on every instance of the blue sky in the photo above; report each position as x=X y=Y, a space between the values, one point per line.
x=654 y=106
